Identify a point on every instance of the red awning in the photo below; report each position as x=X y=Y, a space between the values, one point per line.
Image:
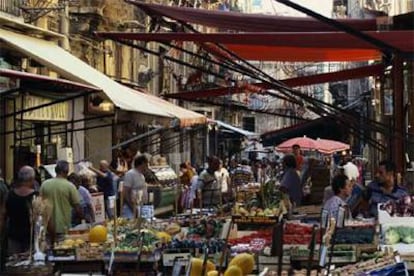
x=301 y=47
x=33 y=81
x=360 y=72
x=249 y=22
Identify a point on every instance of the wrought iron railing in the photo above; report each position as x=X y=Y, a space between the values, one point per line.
x=11 y=7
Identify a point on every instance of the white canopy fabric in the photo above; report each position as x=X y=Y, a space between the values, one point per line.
x=248 y=134
x=72 y=68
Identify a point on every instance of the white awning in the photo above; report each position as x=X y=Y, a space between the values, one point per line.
x=248 y=134
x=72 y=68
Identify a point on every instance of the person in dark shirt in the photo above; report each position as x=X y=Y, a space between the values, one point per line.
x=18 y=207
x=383 y=188
x=104 y=180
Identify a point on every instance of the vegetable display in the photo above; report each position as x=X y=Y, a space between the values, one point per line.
x=398 y=234
x=400 y=208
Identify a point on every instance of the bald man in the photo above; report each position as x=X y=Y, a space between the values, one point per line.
x=104 y=180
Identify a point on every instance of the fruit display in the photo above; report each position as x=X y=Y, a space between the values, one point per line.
x=265 y=234
x=397 y=234
x=299 y=233
x=197 y=267
x=98 y=234
x=400 y=208
x=244 y=261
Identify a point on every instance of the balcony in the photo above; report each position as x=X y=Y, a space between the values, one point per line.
x=11 y=7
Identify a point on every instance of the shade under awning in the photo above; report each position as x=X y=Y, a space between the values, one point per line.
x=326 y=127
x=249 y=22
x=35 y=81
x=71 y=67
x=355 y=73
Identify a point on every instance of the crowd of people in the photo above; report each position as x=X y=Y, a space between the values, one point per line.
x=212 y=186
x=70 y=198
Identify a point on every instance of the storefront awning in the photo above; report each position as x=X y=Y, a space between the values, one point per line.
x=249 y=22
x=41 y=82
x=70 y=67
x=355 y=73
x=321 y=46
x=246 y=133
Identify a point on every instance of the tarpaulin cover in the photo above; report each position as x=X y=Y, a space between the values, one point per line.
x=301 y=47
x=360 y=72
x=249 y=22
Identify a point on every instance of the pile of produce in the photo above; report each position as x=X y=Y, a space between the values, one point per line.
x=213 y=245
x=400 y=208
x=240 y=265
x=299 y=233
x=265 y=234
x=205 y=228
x=355 y=235
x=397 y=234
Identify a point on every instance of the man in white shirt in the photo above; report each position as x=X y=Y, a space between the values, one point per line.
x=351 y=170
x=135 y=187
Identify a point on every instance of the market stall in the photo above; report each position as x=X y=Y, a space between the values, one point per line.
x=260 y=236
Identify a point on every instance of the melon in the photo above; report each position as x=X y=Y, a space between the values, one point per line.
x=197 y=267
x=244 y=261
x=213 y=273
x=98 y=234
x=233 y=270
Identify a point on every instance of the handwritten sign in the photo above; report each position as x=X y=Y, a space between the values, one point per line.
x=98 y=204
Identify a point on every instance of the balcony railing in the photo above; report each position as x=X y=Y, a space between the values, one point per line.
x=11 y=7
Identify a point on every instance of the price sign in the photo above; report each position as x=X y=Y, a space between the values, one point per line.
x=147 y=212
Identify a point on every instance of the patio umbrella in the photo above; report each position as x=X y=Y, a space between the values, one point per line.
x=327 y=146
x=304 y=142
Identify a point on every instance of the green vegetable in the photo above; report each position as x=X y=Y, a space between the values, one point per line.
x=406 y=234
x=392 y=236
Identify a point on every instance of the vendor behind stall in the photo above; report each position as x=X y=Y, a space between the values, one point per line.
x=342 y=188
x=208 y=187
x=383 y=188
x=291 y=180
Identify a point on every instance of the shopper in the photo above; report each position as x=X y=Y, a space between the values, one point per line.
x=291 y=180
x=85 y=200
x=18 y=206
x=135 y=188
x=63 y=196
x=223 y=178
x=208 y=187
x=383 y=188
x=105 y=183
x=342 y=188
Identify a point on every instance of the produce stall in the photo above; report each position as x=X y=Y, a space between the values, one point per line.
x=163 y=188
x=260 y=235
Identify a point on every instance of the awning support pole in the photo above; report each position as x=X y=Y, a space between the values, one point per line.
x=399 y=114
